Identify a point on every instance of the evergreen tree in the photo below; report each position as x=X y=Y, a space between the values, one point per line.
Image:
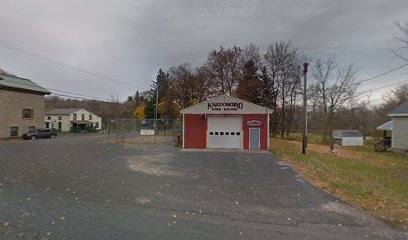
x=269 y=89
x=137 y=98
x=250 y=85
x=161 y=84
x=149 y=108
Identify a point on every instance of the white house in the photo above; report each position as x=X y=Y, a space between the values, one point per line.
x=399 y=117
x=348 y=138
x=72 y=119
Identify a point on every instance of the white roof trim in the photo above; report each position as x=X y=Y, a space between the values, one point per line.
x=398 y=115
x=238 y=106
x=387 y=126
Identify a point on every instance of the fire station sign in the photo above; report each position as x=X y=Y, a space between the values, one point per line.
x=255 y=123
x=225 y=106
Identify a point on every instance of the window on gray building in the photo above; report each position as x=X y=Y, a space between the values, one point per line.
x=90 y=116
x=14 y=131
x=83 y=117
x=75 y=116
x=28 y=113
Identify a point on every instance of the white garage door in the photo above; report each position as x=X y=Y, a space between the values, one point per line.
x=224 y=132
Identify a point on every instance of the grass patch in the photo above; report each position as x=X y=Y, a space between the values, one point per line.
x=377 y=182
x=178 y=145
x=312 y=137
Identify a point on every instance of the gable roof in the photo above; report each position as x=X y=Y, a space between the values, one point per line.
x=13 y=82
x=62 y=111
x=346 y=133
x=385 y=126
x=401 y=110
x=225 y=104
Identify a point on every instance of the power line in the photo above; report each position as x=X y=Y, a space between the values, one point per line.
x=384 y=73
x=379 y=88
x=81 y=98
x=78 y=95
x=64 y=95
x=61 y=64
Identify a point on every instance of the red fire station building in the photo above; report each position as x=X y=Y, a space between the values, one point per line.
x=226 y=122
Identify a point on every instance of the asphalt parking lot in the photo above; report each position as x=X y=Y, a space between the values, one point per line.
x=82 y=188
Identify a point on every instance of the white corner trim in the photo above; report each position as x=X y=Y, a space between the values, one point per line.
x=267 y=134
x=183 y=130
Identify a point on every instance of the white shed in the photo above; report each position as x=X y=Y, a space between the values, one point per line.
x=348 y=138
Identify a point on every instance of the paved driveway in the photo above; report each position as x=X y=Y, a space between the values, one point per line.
x=79 y=188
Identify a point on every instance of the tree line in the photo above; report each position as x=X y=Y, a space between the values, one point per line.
x=272 y=79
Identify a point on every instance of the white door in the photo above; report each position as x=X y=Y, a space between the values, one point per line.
x=224 y=132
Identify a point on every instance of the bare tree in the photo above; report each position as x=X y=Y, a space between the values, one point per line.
x=402 y=52
x=181 y=81
x=391 y=100
x=223 y=66
x=188 y=87
x=333 y=87
x=281 y=62
x=251 y=53
x=204 y=85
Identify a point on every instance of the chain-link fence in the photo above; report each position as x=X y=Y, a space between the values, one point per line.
x=160 y=130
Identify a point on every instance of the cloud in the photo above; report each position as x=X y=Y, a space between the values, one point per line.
x=130 y=40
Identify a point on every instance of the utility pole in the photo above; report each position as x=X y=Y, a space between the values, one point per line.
x=157 y=102
x=155 y=114
x=304 y=139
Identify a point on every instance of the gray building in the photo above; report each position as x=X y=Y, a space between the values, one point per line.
x=21 y=106
x=399 y=117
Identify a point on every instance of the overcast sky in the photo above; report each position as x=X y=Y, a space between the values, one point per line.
x=130 y=40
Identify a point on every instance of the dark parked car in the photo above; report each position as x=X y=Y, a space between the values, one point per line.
x=41 y=133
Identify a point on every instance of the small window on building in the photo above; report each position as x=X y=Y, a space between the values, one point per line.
x=238 y=133
x=47 y=125
x=60 y=118
x=31 y=129
x=227 y=133
x=90 y=116
x=211 y=133
x=82 y=117
x=97 y=125
x=222 y=133
x=74 y=116
x=59 y=126
x=28 y=113
x=49 y=118
x=216 y=133
x=232 y=133
x=14 y=131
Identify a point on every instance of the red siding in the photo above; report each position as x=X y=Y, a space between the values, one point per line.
x=264 y=130
x=195 y=130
